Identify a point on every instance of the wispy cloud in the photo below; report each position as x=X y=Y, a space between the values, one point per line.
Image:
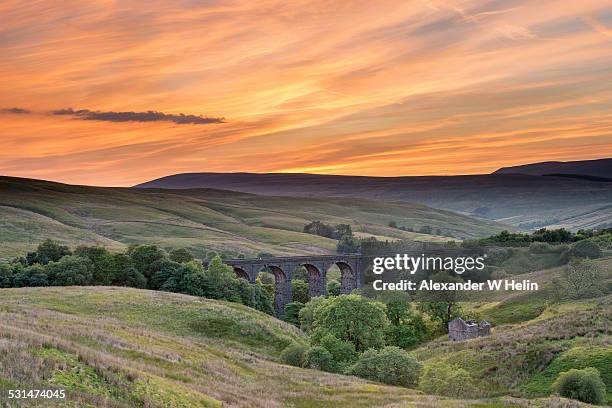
x=389 y=87
x=148 y=116
x=17 y=111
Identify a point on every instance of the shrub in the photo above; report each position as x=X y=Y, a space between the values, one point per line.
x=582 y=278
x=292 y=312
x=307 y=313
x=585 y=249
x=583 y=385
x=320 y=359
x=343 y=352
x=300 y=291
x=294 y=355
x=402 y=336
x=539 y=248
x=6 y=276
x=181 y=255
x=390 y=365
x=333 y=288
x=442 y=378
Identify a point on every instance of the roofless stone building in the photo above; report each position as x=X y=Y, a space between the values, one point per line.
x=459 y=329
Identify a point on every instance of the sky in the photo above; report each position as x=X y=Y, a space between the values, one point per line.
x=120 y=92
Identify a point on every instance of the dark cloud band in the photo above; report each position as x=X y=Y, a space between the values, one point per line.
x=15 y=110
x=149 y=116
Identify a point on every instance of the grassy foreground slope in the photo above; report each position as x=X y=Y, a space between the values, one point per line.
x=202 y=220
x=524 y=359
x=119 y=347
x=533 y=339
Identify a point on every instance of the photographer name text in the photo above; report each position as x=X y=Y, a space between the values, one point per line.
x=429 y=285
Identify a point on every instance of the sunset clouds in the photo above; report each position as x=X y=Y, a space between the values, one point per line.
x=359 y=87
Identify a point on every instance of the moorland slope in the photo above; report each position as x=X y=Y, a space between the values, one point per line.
x=204 y=219
x=525 y=201
x=120 y=347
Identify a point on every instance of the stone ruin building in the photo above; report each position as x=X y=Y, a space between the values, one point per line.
x=459 y=329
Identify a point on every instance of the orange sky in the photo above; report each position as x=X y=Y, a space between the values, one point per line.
x=343 y=87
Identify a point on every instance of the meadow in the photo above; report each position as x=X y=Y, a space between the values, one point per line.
x=120 y=347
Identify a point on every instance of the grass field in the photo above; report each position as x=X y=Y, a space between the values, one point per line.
x=203 y=220
x=119 y=347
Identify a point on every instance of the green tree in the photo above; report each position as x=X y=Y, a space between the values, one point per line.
x=307 y=313
x=102 y=263
x=348 y=244
x=124 y=273
x=300 y=291
x=343 y=352
x=191 y=278
x=390 y=365
x=164 y=270
x=292 y=312
x=6 y=276
x=31 y=276
x=319 y=358
x=407 y=327
x=48 y=251
x=255 y=296
x=181 y=255
x=352 y=318
x=143 y=256
x=334 y=288
x=583 y=385
x=441 y=305
x=342 y=230
x=70 y=270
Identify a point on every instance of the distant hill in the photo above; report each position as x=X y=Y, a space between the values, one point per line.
x=596 y=168
x=520 y=200
x=205 y=219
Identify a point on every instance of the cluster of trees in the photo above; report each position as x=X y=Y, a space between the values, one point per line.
x=425 y=229
x=328 y=231
x=354 y=335
x=553 y=236
x=347 y=243
x=141 y=266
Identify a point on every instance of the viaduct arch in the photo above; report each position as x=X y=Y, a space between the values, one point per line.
x=317 y=265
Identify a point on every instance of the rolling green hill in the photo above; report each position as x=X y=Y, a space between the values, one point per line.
x=525 y=201
x=119 y=347
x=204 y=219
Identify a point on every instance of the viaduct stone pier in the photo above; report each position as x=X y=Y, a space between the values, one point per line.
x=283 y=269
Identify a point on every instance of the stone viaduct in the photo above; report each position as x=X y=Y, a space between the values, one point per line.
x=317 y=265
